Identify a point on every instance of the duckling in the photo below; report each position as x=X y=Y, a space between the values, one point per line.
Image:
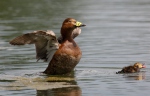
x=62 y=54
x=132 y=69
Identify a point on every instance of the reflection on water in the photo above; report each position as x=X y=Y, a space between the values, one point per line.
x=117 y=35
x=69 y=91
x=47 y=86
x=135 y=76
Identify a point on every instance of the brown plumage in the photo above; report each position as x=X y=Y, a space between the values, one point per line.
x=75 y=33
x=62 y=54
x=132 y=69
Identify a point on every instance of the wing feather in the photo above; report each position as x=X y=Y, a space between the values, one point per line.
x=45 y=42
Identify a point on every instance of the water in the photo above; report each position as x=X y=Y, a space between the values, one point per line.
x=117 y=34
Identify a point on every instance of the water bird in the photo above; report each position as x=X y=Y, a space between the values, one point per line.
x=63 y=54
x=132 y=69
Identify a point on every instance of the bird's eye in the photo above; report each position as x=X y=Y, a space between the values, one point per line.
x=69 y=21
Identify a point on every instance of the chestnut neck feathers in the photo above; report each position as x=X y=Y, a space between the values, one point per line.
x=66 y=33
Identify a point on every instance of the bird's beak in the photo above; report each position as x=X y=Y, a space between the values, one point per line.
x=143 y=66
x=79 y=24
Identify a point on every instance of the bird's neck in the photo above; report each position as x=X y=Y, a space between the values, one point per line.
x=66 y=34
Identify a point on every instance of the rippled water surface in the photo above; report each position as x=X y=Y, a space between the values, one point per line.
x=117 y=34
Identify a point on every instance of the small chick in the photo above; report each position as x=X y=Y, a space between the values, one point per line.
x=132 y=69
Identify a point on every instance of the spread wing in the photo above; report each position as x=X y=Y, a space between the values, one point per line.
x=75 y=33
x=45 y=42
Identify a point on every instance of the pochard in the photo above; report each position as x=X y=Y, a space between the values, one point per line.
x=63 y=54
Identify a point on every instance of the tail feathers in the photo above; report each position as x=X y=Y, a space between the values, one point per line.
x=119 y=72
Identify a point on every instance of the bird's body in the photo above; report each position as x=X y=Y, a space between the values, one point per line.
x=62 y=54
x=132 y=69
x=64 y=59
